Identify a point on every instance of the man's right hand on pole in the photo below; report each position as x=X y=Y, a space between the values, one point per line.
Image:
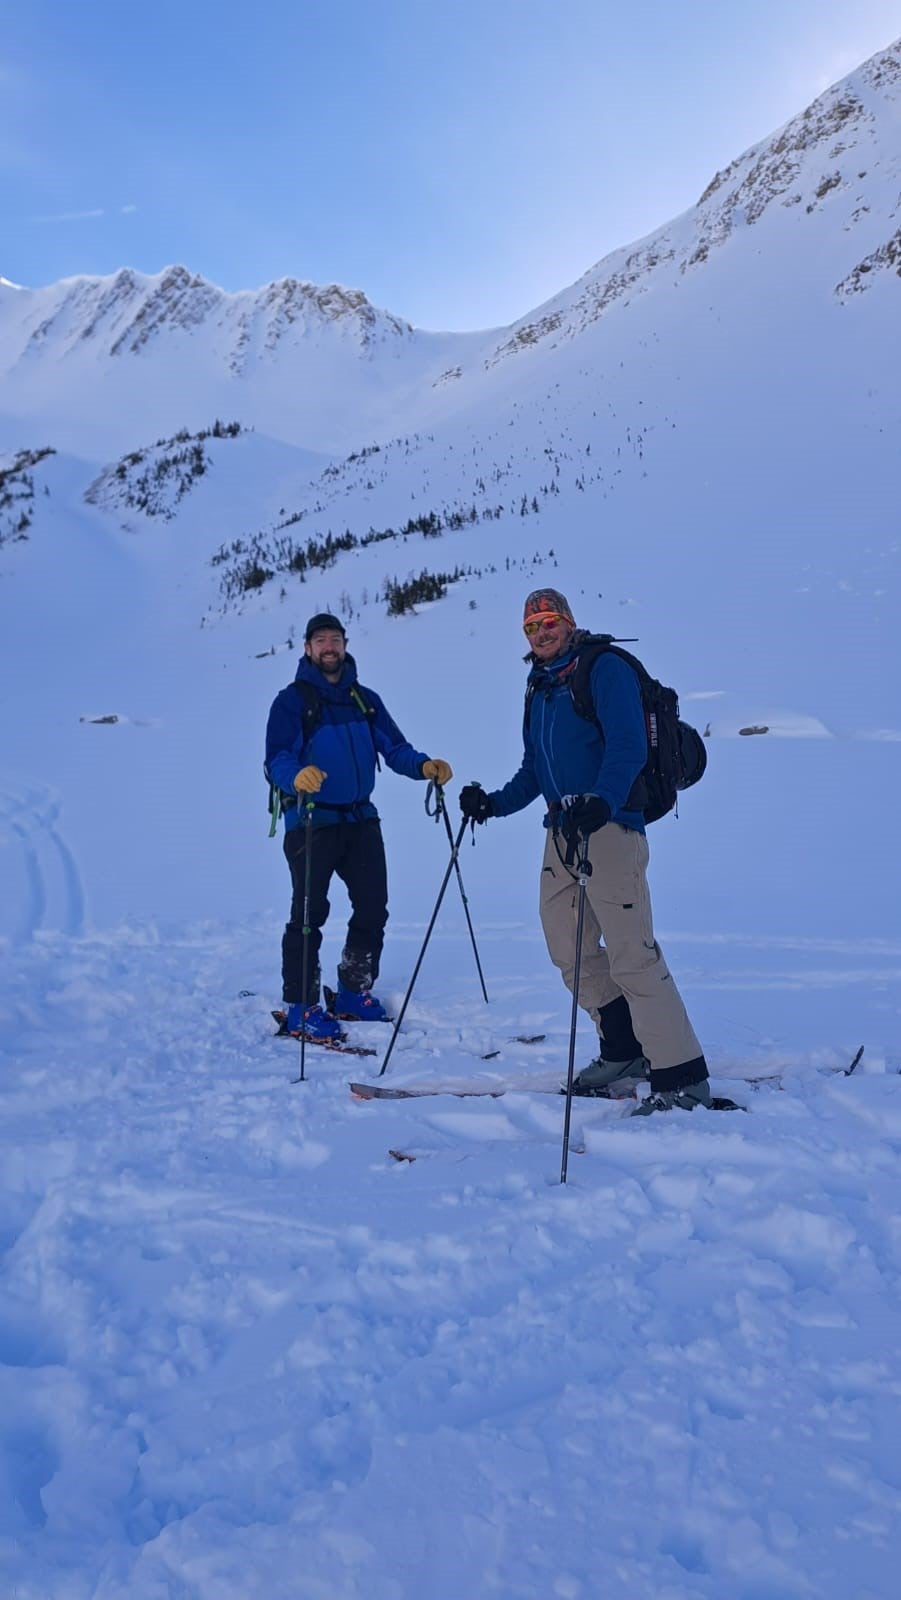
x=583 y=814
x=475 y=804
x=309 y=780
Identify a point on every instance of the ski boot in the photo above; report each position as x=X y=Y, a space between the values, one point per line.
x=313 y=1022
x=358 y=1006
x=611 y=1080
x=684 y=1099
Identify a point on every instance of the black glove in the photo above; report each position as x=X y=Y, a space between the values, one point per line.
x=475 y=804
x=584 y=814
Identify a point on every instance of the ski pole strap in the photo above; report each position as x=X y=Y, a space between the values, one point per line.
x=577 y=855
x=434 y=789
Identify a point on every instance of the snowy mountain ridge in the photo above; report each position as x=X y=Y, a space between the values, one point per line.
x=823 y=156
x=124 y=312
x=276 y=355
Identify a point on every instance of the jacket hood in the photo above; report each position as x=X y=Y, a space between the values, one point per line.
x=307 y=672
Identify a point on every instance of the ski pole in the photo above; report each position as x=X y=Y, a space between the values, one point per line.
x=442 y=808
x=584 y=875
x=307 y=880
x=446 y=880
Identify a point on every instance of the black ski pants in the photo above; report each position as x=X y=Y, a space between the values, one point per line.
x=356 y=852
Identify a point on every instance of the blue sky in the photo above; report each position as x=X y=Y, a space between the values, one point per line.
x=460 y=163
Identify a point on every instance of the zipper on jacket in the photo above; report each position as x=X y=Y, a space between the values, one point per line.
x=545 y=750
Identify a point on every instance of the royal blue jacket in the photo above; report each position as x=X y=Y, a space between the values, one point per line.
x=565 y=754
x=343 y=744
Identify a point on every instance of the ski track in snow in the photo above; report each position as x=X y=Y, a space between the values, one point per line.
x=53 y=896
x=240 y=1345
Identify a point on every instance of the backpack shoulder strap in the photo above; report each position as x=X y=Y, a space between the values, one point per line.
x=361 y=698
x=598 y=644
x=311 y=705
x=357 y=695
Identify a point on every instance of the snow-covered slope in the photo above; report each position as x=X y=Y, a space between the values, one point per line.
x=698 y=439
x=244 y=1351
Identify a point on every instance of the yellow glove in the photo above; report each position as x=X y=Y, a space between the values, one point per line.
x=309 y=780
x=440 y=772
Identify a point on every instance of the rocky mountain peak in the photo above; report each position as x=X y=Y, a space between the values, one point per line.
x=129 y=312
x=824 y=156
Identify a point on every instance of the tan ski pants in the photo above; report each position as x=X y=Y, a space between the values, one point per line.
x=629 y=962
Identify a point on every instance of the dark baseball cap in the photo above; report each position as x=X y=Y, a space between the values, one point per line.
x=323 y=622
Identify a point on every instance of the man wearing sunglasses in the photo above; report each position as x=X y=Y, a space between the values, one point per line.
x=585 y=771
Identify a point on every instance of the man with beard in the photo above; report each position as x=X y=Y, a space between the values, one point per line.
x=323 y=742
x=586 y=771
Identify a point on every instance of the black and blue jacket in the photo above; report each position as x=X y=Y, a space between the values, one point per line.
x=565 y=754
x=343 y=743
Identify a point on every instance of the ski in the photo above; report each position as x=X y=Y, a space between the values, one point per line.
x=718 y=1102
x=336 y=1047
x=382 y=1091
x=379 y=1091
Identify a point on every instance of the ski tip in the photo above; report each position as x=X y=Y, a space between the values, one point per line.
x=854 y=1063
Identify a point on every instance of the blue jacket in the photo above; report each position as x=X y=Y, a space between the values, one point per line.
x=564 y=754
x=343 y=743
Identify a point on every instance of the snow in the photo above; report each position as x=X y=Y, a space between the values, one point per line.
x=245 y=1349
x=247 y=1352
x=242 y=1344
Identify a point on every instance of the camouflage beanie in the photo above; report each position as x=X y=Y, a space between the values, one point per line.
x=547 y=603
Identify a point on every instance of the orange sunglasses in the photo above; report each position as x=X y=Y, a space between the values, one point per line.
x=539 y=624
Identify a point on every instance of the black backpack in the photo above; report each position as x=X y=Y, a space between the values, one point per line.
x=311 y=715
x=677 y=755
